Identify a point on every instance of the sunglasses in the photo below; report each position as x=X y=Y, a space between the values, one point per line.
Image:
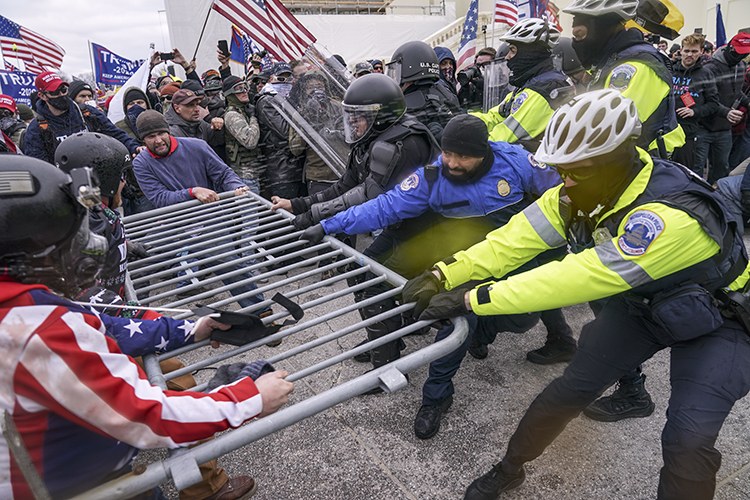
x=577 y=174
x=61 y=90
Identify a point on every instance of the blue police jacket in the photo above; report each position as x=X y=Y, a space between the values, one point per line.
x=514 y=180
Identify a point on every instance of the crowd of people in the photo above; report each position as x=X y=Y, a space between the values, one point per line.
x=609 y=171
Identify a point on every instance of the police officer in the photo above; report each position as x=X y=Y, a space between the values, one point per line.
x=621 y=60
x=652 y=239
x=387 y=146
x=476 y=187
x=520 y=119
x=415 y=67
x=540 y=88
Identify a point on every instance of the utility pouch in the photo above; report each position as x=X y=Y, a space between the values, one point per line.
x=736 y=306
x=686 y=312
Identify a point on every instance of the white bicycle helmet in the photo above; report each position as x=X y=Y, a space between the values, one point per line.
x=589 y=125
x=532 y=30
x=623 y=8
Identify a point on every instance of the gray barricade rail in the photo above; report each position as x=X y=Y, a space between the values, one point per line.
x=244 y=230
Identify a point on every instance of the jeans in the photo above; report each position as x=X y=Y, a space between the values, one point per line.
x=715 y=146
x=439 y=385
x=708 y=373
x=729 y=187
x=253 y=184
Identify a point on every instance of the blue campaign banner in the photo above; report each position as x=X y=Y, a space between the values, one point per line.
x=18 y=84
x=111 y=68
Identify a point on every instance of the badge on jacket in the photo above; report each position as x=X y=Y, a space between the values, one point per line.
x=621 y=76
x=518 y=101
x=410 y=182
x=503 y=188
x=641 y=229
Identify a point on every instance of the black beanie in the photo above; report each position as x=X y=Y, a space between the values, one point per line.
x=466 y=135
x=228 y=83
x=76 y=86
x=132 y=95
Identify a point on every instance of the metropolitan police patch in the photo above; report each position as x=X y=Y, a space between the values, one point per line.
x=641 y=229
x=520 y=98
x=536 y=163
x=410 y=182
x=621 y=76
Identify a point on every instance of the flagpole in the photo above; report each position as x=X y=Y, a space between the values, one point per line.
x=203 y=29
x=91 y=60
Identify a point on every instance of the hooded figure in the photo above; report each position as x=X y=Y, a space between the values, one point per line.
x=447 y=68
x=132 y=109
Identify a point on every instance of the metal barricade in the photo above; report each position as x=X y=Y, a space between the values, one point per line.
x=236 y=243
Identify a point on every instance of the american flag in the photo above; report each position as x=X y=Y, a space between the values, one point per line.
x=274 y=27
x=468 y=47
x=36 y=51
x=506 y=12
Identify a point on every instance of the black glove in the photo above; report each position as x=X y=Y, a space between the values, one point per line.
x=137 y=250
x=446 y=305
x=303 y=221
x=420 y=290
x=745 y=202
x=313 y=234
x=436 y=129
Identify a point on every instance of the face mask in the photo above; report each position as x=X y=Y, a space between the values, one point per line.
x=60 y=103
x=7 y=122
x=282 y=89
x=133 y=114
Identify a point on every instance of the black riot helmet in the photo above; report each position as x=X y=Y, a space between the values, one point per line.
x=372 y=103
x=107 y=157
x=44 y=227
x=413 y=61
x=565 y=58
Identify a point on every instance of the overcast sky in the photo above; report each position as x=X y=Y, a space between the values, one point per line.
x=125 y=27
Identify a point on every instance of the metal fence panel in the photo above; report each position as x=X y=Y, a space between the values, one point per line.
x=242 y=239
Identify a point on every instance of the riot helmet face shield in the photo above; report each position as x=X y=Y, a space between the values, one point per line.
x=78 y=263
x=394 y=70
x=359 y=120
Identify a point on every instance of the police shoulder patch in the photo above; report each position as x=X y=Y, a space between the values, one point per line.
x=621 y=76
x=410 y=182
x=518 y=101
x=641 y=229
x=536 y=163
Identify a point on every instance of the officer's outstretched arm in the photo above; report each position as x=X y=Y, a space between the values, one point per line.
x=407 y=200
x=652 y=242
x=537 y=229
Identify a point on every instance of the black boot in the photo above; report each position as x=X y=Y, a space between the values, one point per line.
x=490 y=485
x=555 y=350
x=477 y=349
x=628 y=401
x=427 y=422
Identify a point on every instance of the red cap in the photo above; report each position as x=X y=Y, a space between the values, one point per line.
x=741 y=43
x=7 y=102
x=48 y=82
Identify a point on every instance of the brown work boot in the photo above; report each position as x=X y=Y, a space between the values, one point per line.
x=237 y=488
